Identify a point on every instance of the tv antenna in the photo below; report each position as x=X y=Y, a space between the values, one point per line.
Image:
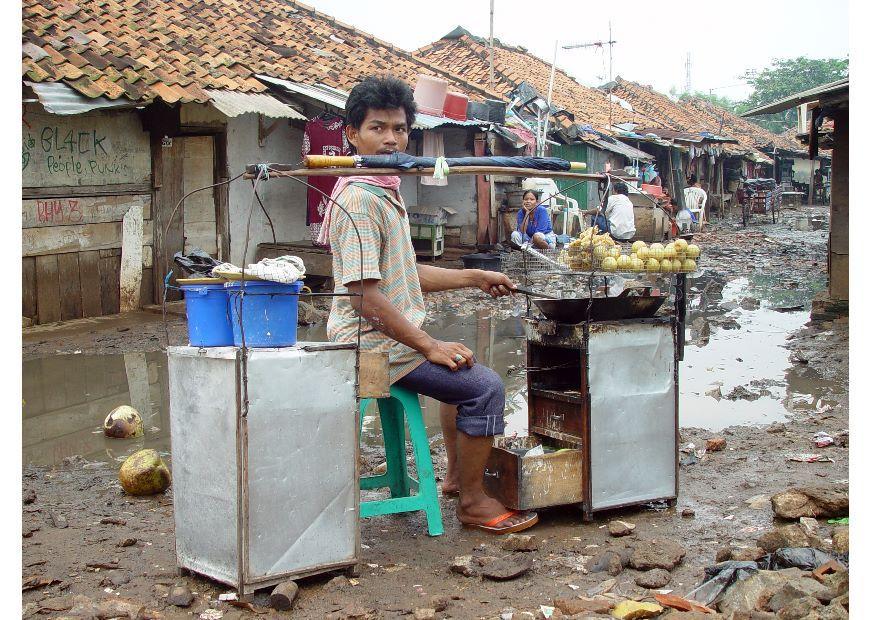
x=600 y=44
x=689 y=66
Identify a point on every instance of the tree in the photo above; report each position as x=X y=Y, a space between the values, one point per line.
x=721 y=102
x=785 y=77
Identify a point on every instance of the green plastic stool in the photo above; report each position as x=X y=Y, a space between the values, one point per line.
x=403 y=404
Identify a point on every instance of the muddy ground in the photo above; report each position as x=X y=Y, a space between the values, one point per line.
x=80 y=520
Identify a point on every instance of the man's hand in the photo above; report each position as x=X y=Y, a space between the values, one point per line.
x=495 y=283
x=453 y=355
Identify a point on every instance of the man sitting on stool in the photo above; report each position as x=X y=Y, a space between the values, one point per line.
x=619 y=216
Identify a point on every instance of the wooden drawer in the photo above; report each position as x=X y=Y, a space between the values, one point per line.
x=525 y=483
x=557 y=414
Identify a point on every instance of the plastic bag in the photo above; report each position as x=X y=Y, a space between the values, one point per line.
x=718 y=578
x=805 y=558
x=196 y=262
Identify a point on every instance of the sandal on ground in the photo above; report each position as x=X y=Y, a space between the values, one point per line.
x=491 y=525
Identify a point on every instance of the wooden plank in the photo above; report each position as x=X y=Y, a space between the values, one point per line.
x=48 y=296
x=76 y=238
x=118 y=189
x=89 y=280
x=131 y=266
x=373 y=374
x=171 y=238
x=109 y=284
x=221 y=196
x=147 y=291
x=201 y=235
x=28 y=287
x=43 y=212
x=70 y=288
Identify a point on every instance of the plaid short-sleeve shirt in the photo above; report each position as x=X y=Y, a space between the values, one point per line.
x=386 y=255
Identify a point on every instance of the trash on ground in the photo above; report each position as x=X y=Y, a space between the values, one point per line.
x=822 y=440
x=123 y=422
x=144 y=473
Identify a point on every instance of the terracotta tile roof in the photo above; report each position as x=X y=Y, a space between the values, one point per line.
x=173 y=50
x=746 y=132
x=655 y=105
x=468 y=56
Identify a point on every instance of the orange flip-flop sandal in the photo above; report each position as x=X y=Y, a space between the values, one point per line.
x=490 y=526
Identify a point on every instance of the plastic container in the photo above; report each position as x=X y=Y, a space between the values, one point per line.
x=456 y=106
x=429 y=94
x=209 y=315
x=270 y=313
x=487 y=262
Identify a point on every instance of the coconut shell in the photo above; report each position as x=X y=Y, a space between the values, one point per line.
x=123 y=422
x=144 y=473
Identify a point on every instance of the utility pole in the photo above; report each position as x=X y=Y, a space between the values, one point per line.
x=491 y=49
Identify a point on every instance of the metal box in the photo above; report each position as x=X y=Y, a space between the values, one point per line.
x=607 y=394
x=269 y=491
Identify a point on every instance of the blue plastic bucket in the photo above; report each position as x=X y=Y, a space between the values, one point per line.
x=209 y=315
x=270 y=313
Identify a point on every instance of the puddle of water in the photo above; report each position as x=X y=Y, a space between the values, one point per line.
x=67 y=397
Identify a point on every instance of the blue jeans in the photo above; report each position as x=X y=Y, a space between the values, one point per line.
x=602 y=222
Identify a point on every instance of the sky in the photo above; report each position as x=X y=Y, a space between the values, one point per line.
x=652 y=39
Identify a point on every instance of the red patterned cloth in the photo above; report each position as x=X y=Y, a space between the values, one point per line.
x=323 y=135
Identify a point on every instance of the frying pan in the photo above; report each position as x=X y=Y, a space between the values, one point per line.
x=623 y=306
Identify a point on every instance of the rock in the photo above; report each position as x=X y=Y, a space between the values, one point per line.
x=714 y=392
x=112 y=521
x=609 y=561
x=748 y=554
x=784 y=596
x=380 y=469
x=144 y=473
x=283 y=595
x=58 y=603
x=724 y=554
x=633 y=610
x=800 y=608
x=818 y=502
x=750 y=303
x=689 y=615
x=353 y=611
x=123 y=423
x=776 y=428
x=440 y=602
x=838 y=583
x=755 y=593
x=58 y=520
x=653 y=579
x=758 y=502
x=809 y=525
x=180 y=596
x=308 y=314
x=127 y=542
x=28 y=497
x=787 y=536
x=483 y=560
x=834 y=611
x=504 y=569
x=423 y=614
x=116 y=579
x=463 y=565
x=657 y=553
x=519 y=542
x=749 y=615
x=841 y=539
x=688 y=513
x=574 y=606
x=336 y=584
x=715 y=444
x=620 y=528
x=119 y=608
x=741 y=392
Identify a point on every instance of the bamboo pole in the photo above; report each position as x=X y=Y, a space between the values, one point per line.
x=285 y=170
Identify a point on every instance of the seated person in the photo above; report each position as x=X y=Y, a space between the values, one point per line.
x=533 y=224
x=618 y=218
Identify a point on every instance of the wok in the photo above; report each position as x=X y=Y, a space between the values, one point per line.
x=623 y=306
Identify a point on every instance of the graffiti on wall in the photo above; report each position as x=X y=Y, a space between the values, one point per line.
x=85 y=149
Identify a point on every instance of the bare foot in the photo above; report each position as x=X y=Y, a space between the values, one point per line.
x=484 y=509
x=450 y=485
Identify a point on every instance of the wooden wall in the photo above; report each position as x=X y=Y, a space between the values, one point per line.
x=81 y=174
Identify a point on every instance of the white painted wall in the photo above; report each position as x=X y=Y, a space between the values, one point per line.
x=285 y=199
x=460 y=192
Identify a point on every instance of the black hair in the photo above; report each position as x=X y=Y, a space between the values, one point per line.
x=673 y=202
x=379 y=93
x=693 y=179
x=620 y=188
x=533 y=192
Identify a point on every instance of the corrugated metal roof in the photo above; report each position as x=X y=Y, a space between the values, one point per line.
x=58 y=98
x=622 y=149
x=799 y=98
x=232 y=103
x=325 y=94
x=427 y=121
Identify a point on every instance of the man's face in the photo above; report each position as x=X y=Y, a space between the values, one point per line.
x=383 y=132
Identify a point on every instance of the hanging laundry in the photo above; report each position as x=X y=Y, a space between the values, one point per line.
x=433 y=146
x=323 y=135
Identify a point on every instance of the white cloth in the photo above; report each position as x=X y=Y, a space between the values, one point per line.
x=695 y=198
x=621 y=215
x=432 y=146
x=283 y=269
